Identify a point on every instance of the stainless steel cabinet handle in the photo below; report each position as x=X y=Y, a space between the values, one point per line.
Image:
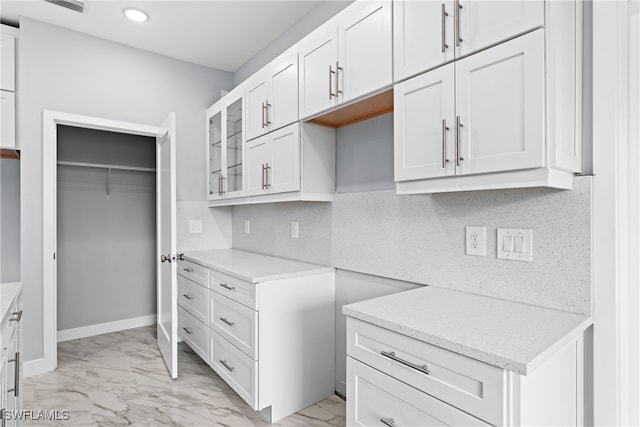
x=338 y=69
x=226 y=365
x=224 y=285
x=456 y=22
x=267 y=182
x=392 y=355
x=4 y=422
x=187 y=331
x=16 y=375
x=388 y=421
x=267 y=121
x=18 y=315
x=459 y=158
x=222 y=191
x=331 y=72
x=188 y=269
x=444 y=144
x=263 y=121
x=228 y=322
x=444 y=14
x=263 y=169
x=187 y=296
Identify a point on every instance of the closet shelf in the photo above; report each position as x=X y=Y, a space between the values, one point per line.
x=106 y=166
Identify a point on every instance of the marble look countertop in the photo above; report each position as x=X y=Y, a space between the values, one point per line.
x=251 y=266
x=8 y=294
x=513 y=336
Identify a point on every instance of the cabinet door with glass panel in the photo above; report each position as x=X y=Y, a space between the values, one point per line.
x=225 y=135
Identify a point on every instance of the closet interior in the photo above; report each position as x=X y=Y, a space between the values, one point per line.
x=106 y=229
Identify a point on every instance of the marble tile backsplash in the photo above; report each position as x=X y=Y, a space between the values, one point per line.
x=422 y=239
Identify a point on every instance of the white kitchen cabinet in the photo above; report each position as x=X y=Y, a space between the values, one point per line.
x=7 y=61
x=429 y=34
x=347 y=58
x=272 y=97
x=225 y=146
x=7 y=119
x=8 y=38
x=270 y=329
x=10 y=357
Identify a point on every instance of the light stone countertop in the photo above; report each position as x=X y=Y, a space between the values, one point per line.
x=513 y=336
x=253 y=267
x=8 y=294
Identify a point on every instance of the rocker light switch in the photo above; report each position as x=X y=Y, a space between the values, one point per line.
x=516 y=244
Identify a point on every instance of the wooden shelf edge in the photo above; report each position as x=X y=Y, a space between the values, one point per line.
x=9 y=153
x=368 y=108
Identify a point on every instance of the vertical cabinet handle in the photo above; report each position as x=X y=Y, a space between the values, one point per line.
x=263 y=169
x=267 y=180
x=221 y=191
x=459 y=158
x=331 y=73
x=262 y=115
x=444 y=15
x=338 y=69
x=267 y=121
x=444 y=144
x=16 y=375
x=456 y=22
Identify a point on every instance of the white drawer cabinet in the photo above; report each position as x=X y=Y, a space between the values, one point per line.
x=194 y=298
x=193 y=332
x=269 y=336
x=394 y=377
x=194 y=272
x=10 y=356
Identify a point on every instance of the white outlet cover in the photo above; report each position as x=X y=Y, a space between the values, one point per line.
x=521 y=248
x=247 y=226
x=476 y=241
x=195 y=226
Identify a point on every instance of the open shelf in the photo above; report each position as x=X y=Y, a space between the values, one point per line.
x=358 y=111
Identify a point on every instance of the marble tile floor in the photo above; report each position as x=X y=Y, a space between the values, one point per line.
x=120 y=379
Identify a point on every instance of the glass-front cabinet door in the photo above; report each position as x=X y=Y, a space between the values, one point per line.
x=226 y=146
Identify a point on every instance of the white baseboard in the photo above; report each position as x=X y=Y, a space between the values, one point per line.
x=35 y=367
x=105 y=328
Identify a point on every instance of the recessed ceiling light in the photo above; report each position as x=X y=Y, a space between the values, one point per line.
x=136 y=15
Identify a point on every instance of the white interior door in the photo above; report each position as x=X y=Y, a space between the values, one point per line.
x=167 y=266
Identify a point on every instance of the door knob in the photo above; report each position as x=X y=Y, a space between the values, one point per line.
x=180 y=257
x=164 y=258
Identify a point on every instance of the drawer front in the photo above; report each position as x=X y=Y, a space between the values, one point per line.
x=193 y=332
x=474 y=387
x=194 y=298
x=235 y=367
x=376 y=399
x=194 y=272
x=238 y=290
x=235 y=322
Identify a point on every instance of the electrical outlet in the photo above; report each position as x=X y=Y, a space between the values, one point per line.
x=247 y=226
x=195 y=226
x=294 y=229
x=476 y=241
x=515 y=244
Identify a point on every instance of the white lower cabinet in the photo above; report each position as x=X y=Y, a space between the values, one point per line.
x=393 y=379
x=270 y=338
x=11 y=365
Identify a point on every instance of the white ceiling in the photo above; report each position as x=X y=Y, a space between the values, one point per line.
x=221 y=34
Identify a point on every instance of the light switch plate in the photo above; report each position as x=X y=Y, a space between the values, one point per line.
x=195 y=226
x=294 y=229
x=515 y=244
x=247 y=226
x=476 y=241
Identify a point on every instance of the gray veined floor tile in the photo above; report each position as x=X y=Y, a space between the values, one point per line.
x=120 y=379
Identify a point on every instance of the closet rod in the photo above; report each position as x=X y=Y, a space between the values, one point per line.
x=104 y=166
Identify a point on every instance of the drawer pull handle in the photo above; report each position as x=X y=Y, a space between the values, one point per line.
x=226 y=365
x=224 y=285
x=187 y=331
x=187 y=296
x=18 y=315
x=188 y=270
x=224 y=319
x=392 y=355
x=388 y=421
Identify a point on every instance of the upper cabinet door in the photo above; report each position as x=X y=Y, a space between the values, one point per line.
x=215 y=140
x=423 y=125
x=318 y=54
x=7 y=62
x=283 y=171
x=234 y=159
x=258 y=92
x=483 y=23
x=422 y=36
x=500 y=107
x=283 y=103
x=365 y=58
x=258 y=156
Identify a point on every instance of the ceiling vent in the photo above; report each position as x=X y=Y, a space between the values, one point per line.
x=77 y=5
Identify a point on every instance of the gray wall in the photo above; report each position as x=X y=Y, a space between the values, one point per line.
x=63 y=70
x=9 y=220
x=312 y=20
x=106 y=245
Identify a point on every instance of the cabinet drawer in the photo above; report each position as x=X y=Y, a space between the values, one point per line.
x=474 y=387
x=193 y=332
x=235 y=322
x=376 y=399
x=235 y=367
x=236 y=289
x=193 y=271
x=194 y=298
